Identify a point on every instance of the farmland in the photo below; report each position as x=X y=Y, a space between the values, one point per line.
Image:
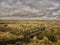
x=29 y=32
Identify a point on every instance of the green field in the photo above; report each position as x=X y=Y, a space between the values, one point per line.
x=29 y=32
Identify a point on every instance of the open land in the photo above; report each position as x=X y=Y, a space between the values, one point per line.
x=29 y=32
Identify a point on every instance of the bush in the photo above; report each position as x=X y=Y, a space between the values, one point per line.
x=52 y=38
x=51 y=34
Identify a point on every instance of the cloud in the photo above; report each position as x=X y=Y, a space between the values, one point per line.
x=39 y=9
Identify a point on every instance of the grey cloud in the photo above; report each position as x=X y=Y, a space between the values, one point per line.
x=30 y=9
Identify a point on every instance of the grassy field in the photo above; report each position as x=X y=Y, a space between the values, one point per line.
x=12 y=31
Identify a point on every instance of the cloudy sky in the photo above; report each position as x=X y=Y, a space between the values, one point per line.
x=30 y=9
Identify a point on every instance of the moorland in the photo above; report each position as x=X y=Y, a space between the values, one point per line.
x=29 y=32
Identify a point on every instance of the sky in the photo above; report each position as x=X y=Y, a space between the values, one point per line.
x=30 y=9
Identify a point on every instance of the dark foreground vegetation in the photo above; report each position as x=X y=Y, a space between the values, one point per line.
x=29 y=32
